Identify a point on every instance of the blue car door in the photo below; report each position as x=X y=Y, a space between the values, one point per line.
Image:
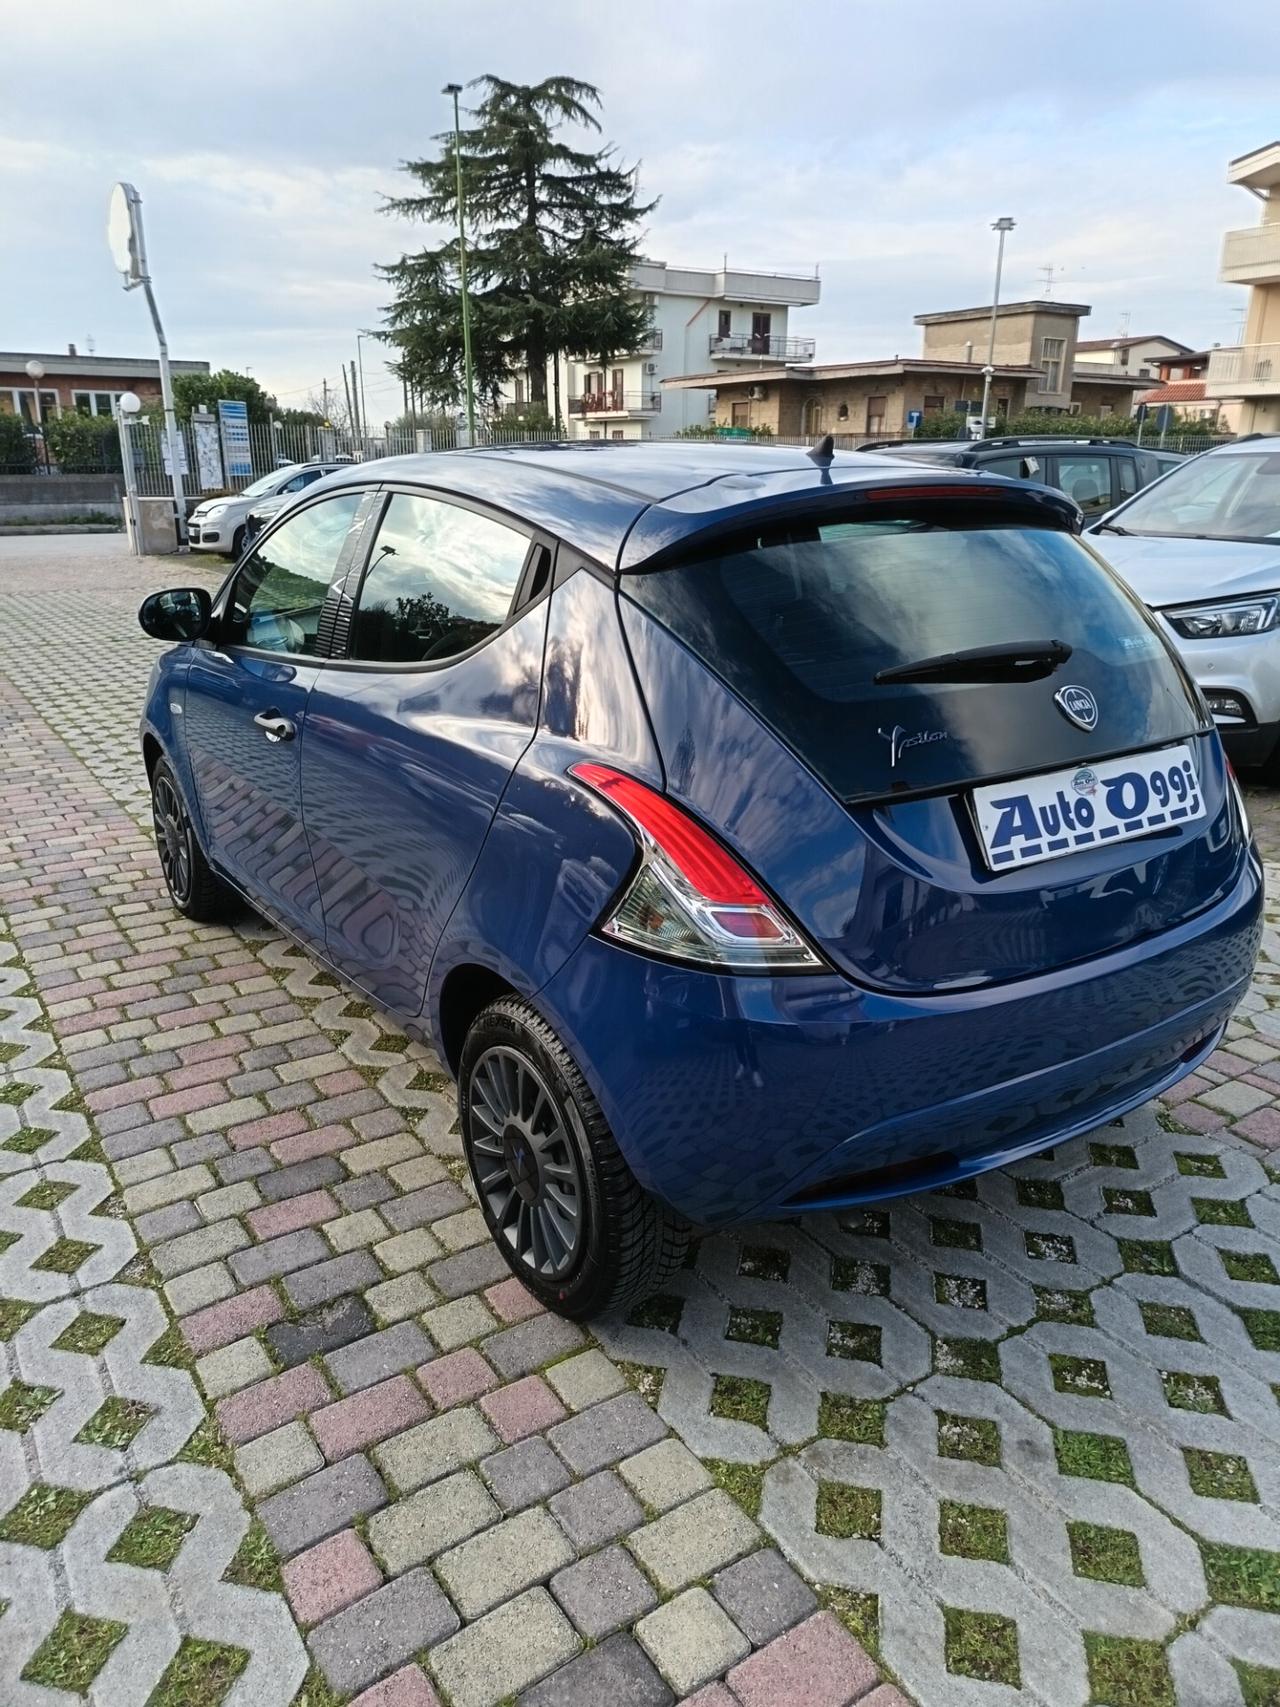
x=411 y=738
x=246 y=707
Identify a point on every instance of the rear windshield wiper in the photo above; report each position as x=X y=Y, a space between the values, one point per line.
x=1011 y=661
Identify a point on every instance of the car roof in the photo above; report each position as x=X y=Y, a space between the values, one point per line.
x=622 y=504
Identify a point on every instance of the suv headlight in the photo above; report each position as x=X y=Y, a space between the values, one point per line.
x=1217 y=622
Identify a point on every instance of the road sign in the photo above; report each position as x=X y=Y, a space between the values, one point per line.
x=237 y=453
x=914 y=418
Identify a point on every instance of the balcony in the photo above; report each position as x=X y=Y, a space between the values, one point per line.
x=1244 y=370
x=601 y=404
x=1251 y=256
x=737 y=345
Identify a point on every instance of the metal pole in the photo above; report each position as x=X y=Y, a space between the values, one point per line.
x=130 y=479
x=362 y=427
x=350 y=411
x=455 y=89
x=364 y=407
x=1003 y=226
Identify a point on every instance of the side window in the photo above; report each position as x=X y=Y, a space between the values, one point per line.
x=1013 y=466
x=440 y=580
x=1087 y=479
x=280 y=590
x=1127 y=469
x=301 y=480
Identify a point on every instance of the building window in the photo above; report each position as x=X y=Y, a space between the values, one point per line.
x=24 y=403
x=1124 y=356
x=519 y=389
x=93 y=402
x=724 y=323
x=1002 y=406
x=842 y=413
x=740 y=415
x=617 y=433
x=1051 y=354
x=594 y=433
x=876 y=407
x=933 y=403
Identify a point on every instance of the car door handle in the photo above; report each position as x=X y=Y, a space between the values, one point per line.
x=275 y=727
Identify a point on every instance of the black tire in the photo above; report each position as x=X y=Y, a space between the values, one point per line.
x=194 y=887
x=237 y=543
x=626 y=1243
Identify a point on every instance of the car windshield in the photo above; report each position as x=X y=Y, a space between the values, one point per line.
x=267 y=483
x=1235 y=496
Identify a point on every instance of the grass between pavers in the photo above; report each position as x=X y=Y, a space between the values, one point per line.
x=976 y=1439
x=848 y=1512
x=1147 y=1256
x=1185 y=1391
x=1120 y=1200
x=1260 y=1685
x=89 y=1333
x=973 y=1531
x=955 y=1235
x=14 y=1312
x=74 y=1652
x=972 y=1360
x=1106 y=1555
x=152 y=1539
x=1262 y=1327
x=16 y=1092
x=1221 y=1212
x=21 y=1405
x=1097 y=1457
x=199 y=1674
x=744 y=1482
x=1050 y=1247
x=1126 y=1671
x=646 y=1378
x=30 y=1139
x=1061 y=1304
x=1113 y=1155
x=208 y=1447
x=856 y=1274
x=65 y=1256
x=740 y=1399
x=43 y=1515
x=46 y=1194
x=859 y=1612
x=1169 y=1321
x=982 y=1645
x=764 y=1262
x=841 y=1417
x=116 y=1423
x=1191 y=1164
x=1242 y=1576
x=315 y=1691
x=1253 y=1266
x=256 y=1564
x=1219 y=1475
x=662 y=1311
x=1039 y=1194
x=855 y=1341
x=755 y=1327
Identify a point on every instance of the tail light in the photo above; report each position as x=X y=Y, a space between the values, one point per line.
x=690 y=899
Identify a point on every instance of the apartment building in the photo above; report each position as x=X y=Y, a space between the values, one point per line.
x=1140 y=356
x=1250 y=371
x=718 y=320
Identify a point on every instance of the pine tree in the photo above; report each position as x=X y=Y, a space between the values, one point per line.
x=550 y=241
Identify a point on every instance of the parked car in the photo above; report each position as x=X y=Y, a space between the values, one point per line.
x=1203 y=550
x=748 y=837
x=1095 y=473
x=218 y=524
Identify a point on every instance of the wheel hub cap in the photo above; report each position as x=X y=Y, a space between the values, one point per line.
x=522 y=1163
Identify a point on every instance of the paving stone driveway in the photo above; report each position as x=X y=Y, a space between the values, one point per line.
x=1020 y=1440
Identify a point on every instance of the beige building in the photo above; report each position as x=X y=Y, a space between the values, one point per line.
x=1041 y=334
x=857 y=400
x=1250 y=371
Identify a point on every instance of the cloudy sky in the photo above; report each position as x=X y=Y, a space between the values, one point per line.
x=874 y=140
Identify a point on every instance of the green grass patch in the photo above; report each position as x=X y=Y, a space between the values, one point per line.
x=13 y=1313
x=973 y=1531
x=116 y=1423
x=207 y=1447
x=1262 y=1327
x=48 y=1194
x=152 y=1538
x=1222 y=1212
x=1086 y=1377
x=424 y=1081
x=1126 y=1671
x=1039 y=1194
x=843 y=1418
x=29 y=1140
x=1050 y=1247
x=964 y=1189
x=646 y=1378
x=1147 y=1256
x=663 y=1312
x=1260 y=1685
x=199 y=1675
x=848 y=1513
x=16 y=1092
x=1099 y=1457
x=1106 y=1555
x=1118 y=1200
x=982 y=1645
x=390 y=1043
x=1113 y=1155
x=256 y=1564
x=764 y=1262
x=745 y=1482
x=858 y=1342
x=755 y=1327
x=739 y=1399
x=72 y=1103
x=853 y=1274
x=89 y=1334
x=74 y=1652
x=1060 y=1304
x=858 y=1611
x=1253 y=1266
x=955 y=1235
x=1169 y=1321
x=21 y=1405
x=976 y=1439
x=971 y=1360
x=960 y=1291
x=66 y=1256
x=1219 y=1475
x=171 y=1350
x=90 y=1151
x=1197 y=1166
x=43 y=1515
x=1187 y=1392
x=1242 y=1576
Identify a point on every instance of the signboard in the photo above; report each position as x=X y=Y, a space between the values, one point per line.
x=237 y=453
x=182 y=452
x=204 y=430
x=914 y=418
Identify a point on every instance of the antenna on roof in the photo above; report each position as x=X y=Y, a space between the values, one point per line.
x=824 y=452
x=1049 y=269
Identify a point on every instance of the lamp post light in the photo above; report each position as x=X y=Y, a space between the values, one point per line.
x=1004 y=226
x=455 y=89
x=35 y=373
x=125 y=408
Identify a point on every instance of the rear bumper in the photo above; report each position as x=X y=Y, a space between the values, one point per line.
x=743 y=1098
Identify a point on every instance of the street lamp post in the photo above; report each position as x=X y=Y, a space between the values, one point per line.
x=455 y=89
x=1003 y=226
x=35 y=373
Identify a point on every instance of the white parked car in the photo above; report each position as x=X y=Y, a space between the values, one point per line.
x=218 y=523
x=1201 y=548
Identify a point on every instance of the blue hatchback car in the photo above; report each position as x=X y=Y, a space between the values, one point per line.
x=750 y=831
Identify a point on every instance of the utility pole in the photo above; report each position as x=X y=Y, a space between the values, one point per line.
x=358 y=401
x=347 y=391
x=324 y=393
x=455 y=89
x=1003 y=226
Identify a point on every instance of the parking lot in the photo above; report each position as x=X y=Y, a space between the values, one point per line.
x=275 y=1425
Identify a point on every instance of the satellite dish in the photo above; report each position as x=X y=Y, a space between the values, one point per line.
x=124 y=234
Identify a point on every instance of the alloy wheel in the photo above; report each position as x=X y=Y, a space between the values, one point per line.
x=173 y=838
x=525 y=1163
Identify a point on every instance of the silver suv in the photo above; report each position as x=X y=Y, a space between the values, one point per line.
x=1202 y=548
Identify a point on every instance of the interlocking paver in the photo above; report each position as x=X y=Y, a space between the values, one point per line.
x=597 y=1510
x=351 y=1424
x=434 y=1448
x=603 y=1593
x=663 y=1475
x=431 y=1521
x=525 y=1474
x=494 y=1566
x=763 y=1596
x=617 y=1672
x=324 y=1329
x=525 y=1407
x=600 y=1436
x=387 y=1627
x=694 y=1540
x=329 y=1576
x=818 y=1663
x=273 y=1460
x=692 y=1640
x=505 y=1651
x=265 y=1406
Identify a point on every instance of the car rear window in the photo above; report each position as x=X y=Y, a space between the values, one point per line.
x=800 y=621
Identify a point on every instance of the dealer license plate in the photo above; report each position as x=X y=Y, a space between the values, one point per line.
x=1021 y=823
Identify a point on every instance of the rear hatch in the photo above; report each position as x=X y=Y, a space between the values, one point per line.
x=813 y=710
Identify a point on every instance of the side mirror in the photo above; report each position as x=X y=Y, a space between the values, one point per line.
x=181 y=613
